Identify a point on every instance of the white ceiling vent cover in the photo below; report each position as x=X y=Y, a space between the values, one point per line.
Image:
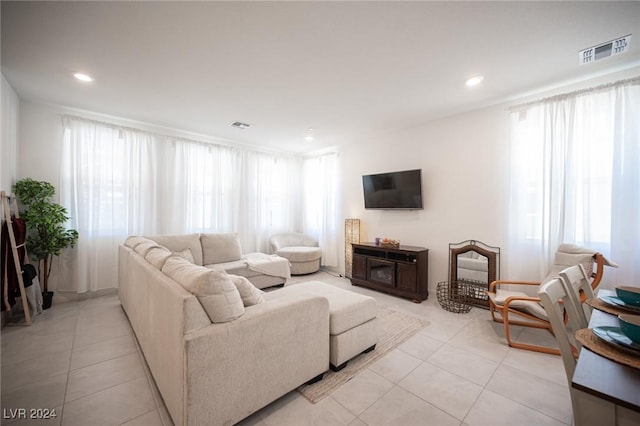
x=239 y=125
x=604 y=50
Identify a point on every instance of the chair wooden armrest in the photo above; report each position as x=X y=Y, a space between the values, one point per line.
x=599 y=270
x=510 y=299
x=494 y=284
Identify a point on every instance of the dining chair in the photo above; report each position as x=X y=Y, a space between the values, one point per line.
x=521 y=309
x=555 y=300
x=578 y=289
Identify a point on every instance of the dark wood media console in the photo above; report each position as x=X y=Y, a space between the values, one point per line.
x=401 y=271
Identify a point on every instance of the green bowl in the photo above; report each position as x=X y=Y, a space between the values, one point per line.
x=630 y=325
x=629 y=295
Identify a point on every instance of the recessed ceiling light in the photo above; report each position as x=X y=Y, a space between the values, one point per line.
x=309 y=136
x=83 y=77
x=474 y=81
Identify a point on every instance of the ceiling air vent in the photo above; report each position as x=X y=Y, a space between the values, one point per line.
x=239 y=125
x=604 y=50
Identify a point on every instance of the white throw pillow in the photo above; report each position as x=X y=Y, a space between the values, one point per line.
x=133 y=241
x=143 y=248
x=214 y=289
x=157 y=256
x=248 y=292
x=185 y=254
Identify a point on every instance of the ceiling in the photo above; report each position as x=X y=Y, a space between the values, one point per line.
x=350 y=70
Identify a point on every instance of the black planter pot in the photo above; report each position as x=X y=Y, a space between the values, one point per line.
x=47 y=299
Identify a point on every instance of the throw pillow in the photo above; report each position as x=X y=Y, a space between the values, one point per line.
x=157 y=256
x=185 y=254
x=143 y=248
x=133 y=241
x=214 y=289
x=248 y=292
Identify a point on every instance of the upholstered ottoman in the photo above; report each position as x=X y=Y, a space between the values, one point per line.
x=304 y=260
x=353 y=326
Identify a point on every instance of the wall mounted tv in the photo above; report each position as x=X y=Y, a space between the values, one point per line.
x=394 y=190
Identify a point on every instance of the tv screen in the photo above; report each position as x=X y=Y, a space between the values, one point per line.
x=395 y=190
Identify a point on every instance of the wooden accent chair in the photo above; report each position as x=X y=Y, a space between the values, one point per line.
x=519 y=308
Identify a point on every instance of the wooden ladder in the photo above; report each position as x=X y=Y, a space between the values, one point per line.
x=14 y=250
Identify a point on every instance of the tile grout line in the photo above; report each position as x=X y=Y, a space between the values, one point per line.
x=424 y=400
x=66 y=385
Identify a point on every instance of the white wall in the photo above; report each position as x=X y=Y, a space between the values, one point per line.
x=40 y=143
x=9 y=142
x=464 y=162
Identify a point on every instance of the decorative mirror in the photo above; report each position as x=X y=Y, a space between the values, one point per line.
x=473 y=265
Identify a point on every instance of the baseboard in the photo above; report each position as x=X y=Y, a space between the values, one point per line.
x=70 y=296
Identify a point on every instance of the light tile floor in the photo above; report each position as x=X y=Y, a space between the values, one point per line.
x=82 y=360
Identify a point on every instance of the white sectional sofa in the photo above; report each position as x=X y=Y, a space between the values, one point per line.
x=217 y=349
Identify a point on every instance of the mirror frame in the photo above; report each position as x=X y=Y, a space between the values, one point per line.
x=493 y=258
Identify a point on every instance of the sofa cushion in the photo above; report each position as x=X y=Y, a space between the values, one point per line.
x=220 y=248
x=248 y=292
x=238 y=267
x=133 y=241
x=185 y=254
x=157 y=256
x=179 y=242
x=214 y=289
x=143 y=248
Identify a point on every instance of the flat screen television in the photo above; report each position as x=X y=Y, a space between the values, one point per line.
x=394 y=190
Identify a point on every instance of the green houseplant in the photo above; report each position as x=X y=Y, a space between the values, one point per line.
x=46 y=233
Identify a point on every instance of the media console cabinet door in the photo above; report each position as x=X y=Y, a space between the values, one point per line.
x=359 y=268
x=407 y=279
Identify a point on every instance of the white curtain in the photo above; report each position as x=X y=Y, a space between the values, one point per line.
x=575 y=178
x=118 y=181
x=320 y=204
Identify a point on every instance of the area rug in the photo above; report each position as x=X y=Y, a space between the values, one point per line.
x=394 y=329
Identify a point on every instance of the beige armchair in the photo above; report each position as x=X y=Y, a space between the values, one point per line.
x=301 y=250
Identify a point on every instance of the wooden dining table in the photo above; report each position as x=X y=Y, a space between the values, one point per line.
x=605 y=392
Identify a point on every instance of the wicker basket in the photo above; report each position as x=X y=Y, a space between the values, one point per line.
x=454 y=298
x=388 y=242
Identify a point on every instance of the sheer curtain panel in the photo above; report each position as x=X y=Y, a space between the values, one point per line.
x=118 y=181
x=321 y=204
x=575 y=178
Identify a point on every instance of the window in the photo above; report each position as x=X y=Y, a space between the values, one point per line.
x=575 y=177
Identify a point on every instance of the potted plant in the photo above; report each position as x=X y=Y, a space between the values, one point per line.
x=46 y=233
